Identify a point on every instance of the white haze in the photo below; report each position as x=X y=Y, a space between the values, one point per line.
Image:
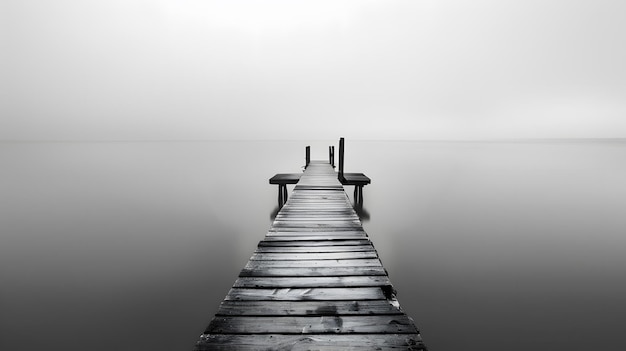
x=191 y=69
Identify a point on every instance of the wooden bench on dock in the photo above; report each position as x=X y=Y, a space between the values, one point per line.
x=315 y=282
x=282 y=179
x=359 y=180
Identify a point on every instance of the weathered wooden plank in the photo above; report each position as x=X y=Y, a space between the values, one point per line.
x=318 y=342
x=288 y=256
x=321 y=210
x=321 y=222
x=320 y=217
x=302 y=186
x=312 y=237
x=317 y=199
x=330 y=192
x=316 y=222
x=302 y=232
x=310 y=201
x=366 y=262
x=312 y=249
x=311 y=282
x=314 y=227
x=334 y=204
x=394 y=324
x=316 y=205
x=318 y=211
x=327 y=230
x=297 y=235
x=302 y=209
x=312 y=271
x=307 y=308
x=315 y=217
x=355 y=179
x=285 y=178
x=305 y=294
x=312 y=244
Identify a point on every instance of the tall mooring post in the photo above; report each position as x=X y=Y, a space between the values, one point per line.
x=307 y=156
x=340 y=174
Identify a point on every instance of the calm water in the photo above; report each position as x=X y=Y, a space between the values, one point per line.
x=491 y=246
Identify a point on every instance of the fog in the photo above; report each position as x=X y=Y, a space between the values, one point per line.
x=189 y=70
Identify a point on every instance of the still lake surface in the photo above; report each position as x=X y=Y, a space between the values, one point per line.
x=491 y=245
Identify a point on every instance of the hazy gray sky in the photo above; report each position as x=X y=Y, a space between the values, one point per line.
x=197 y=69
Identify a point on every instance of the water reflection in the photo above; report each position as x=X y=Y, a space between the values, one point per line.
x=364 y=216
x=274 y=213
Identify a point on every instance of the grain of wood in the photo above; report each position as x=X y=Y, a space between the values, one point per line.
x=313 y=256
x=318 y=342
x=307 y=308
x=312 y=249
x=366 y=262
x=314 y=243
x=312 y=282
x=313 y=271
x=305 y=294
x=394 y=324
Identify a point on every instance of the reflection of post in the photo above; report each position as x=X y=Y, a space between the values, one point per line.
x=341 y=178
x=307 y=156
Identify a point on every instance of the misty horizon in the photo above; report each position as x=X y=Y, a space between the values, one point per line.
x=276 y=70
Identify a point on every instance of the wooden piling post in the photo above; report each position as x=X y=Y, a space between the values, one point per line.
x=341 y=151
x=285 y=197
x=282 y=195
x=330 y=156
x=358 y=195
x=307 y=156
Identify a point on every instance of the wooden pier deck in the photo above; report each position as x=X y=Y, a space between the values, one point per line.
x=314 y=283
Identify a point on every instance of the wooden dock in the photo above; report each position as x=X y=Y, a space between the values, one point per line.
x=314 y=283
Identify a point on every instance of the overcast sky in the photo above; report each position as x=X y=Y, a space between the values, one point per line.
x=422 y=69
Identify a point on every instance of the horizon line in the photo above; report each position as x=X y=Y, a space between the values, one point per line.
x=7 y=141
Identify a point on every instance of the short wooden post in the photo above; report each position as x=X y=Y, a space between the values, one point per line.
x=307 y=156
x=341 y=151
x=280 y=196
x=358 y=195
x=331 y=155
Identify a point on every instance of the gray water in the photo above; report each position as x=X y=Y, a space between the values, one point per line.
x=491 y=246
